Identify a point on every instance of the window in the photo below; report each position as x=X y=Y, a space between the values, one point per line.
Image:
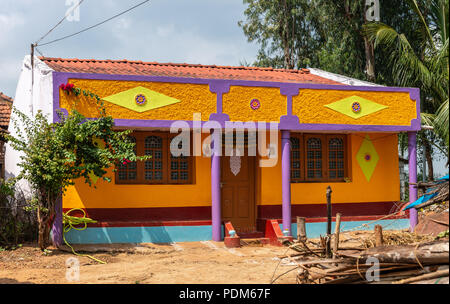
x=161 y=168
x=318 y=157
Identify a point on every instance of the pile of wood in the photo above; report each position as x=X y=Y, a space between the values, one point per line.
x=402 y=264
x=440 y=188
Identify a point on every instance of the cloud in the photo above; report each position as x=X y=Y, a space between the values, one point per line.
x=201 y=31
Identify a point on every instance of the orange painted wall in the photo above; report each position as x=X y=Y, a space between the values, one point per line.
x=236 y=103
x=195 y=98
x=110 y=195
x=383 y=186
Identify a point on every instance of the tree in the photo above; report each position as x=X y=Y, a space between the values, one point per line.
x=286 y=34
x=323 y=34
x=422 y=63
x=56 y=154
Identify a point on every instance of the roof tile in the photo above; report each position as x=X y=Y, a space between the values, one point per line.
x=5 y=110
x=125 y=67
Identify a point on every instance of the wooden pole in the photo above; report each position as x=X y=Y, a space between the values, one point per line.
x=328 y=240
x=378 y=235
x=301 y=229
x=432 y=275
x=336 y=232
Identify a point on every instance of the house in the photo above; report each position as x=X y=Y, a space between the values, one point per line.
x=320 y=129
x=5 y=113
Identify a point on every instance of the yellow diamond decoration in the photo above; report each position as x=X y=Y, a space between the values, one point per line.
x=133 y=99
x=346 y=106
x=367 y=157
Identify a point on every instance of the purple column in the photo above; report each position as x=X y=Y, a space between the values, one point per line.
x=57 y=227
x=412 y=155
x=215 y=196
x=286 y=178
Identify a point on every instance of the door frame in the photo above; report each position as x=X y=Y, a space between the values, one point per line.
x=252 y=181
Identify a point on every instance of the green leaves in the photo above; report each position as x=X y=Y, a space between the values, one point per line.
x=55 y=154
x=421 y=63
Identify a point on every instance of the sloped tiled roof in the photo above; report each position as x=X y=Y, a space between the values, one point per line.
x=126 y=67
x=5 y=110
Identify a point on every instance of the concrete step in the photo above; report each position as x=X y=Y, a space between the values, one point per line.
x=251 y=235
x=255 y=241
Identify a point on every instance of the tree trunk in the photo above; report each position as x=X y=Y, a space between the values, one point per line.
x=45 y=220
x=370 y=60
x=285 y=35
x=370 y=55
x=436 y=252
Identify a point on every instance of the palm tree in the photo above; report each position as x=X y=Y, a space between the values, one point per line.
x=424 y=65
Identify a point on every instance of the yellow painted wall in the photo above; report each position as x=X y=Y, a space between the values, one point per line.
x=236 y=103
x=383 y=186
x=309 y=104
x=195 y=98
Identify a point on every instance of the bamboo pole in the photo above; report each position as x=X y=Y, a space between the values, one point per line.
x=337 y=230
x=301 y=229
x=328 y=237
x=378 y=235
x=436 y=274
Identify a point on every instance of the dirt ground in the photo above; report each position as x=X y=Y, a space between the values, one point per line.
x=193 y=262
x=205 y=262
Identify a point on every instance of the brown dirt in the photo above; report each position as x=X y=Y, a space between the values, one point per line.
x=194 y=262
x=197 y=262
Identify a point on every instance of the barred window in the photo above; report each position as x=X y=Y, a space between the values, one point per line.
x=161 y=168
x=314 y=158
x=127 y=171
x=296 y=160
x=318 y=157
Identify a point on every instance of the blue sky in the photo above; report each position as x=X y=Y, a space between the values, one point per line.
x=194 y=31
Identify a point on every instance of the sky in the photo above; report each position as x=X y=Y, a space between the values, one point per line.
x=190 y=31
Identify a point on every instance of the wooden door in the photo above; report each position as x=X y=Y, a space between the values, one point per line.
x=238 y=192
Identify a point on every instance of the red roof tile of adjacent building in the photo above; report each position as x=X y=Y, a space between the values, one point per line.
x=5 y=110
x=126 y=67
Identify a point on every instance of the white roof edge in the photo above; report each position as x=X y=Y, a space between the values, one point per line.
x=39 y=65
x=342 y=79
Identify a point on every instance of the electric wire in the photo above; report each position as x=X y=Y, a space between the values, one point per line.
x=68 y=13
x=95 y=25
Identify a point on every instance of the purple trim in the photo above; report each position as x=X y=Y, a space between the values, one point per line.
x=220 y=118
x=148 y=123
x=286 y=123
x=289 y=92
x=414 y=94
x=216 y=216
x=412 y=154
x=221 y=86
x=286 y=179
x=291 y=125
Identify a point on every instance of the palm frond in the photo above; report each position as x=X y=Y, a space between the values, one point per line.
x=441 y=121
x=415 y=7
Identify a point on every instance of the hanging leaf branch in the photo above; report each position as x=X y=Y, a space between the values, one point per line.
x=70 y=88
